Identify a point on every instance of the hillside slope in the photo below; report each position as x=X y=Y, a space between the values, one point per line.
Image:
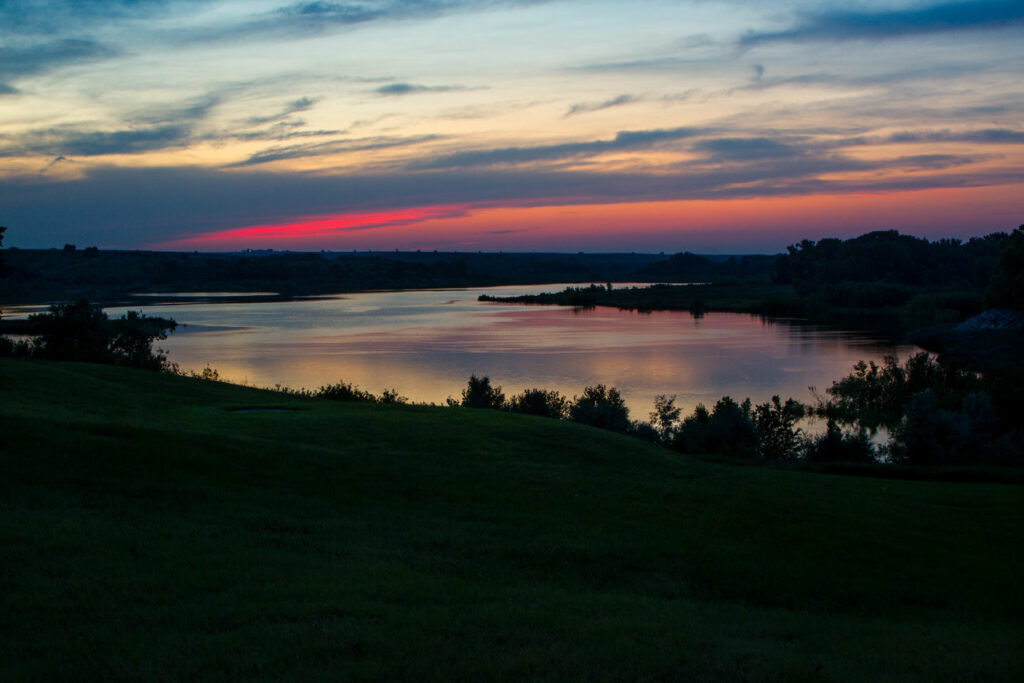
x=160 y=528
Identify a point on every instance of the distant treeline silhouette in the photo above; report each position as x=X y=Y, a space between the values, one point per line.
x=882 y=280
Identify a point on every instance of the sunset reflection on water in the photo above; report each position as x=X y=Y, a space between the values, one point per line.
x=426 y=343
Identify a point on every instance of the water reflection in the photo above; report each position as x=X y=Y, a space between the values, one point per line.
x=426 y=344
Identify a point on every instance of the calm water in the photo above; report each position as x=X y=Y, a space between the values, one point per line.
x=427 y=343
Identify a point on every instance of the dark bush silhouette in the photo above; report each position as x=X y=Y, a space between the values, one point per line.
x=836 y=446
x=878 y=395
x=391 y=396
x=665 y=418
x=729 y=429
x=480 y=394
x=778 y=436
x=81 y=331
x=343 y=391
x=1006 y=288
x=540 y=402
x=601 y=407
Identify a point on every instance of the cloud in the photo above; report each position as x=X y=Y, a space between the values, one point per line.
x=53 y=162
x=395 y=89
x=132 y=207
x=931 y=162
x=8 y=89
x=26 y=61
x=986 y=135
x=39 y=17
x=895 y=23
x=321 y=16
x=330 y=147
x=74 y=142
x=624 y=140
x=746 y=149
x=189 y=111
x=299 y=105
x=598 y=106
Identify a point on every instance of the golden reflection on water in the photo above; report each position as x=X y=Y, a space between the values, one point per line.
x=427 y=343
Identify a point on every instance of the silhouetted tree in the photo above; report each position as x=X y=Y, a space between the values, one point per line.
x=665 y=417
x=480 y=394
x=1006 y=288
x=728 y=429
x=778 y=437
x=540 y=402
x=836 y=446
x=81 y=331
x=343 y=391
x=601 y=407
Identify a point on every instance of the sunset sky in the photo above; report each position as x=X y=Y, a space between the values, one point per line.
x=651 y=125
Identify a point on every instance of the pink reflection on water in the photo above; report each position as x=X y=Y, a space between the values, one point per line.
x=426 y=344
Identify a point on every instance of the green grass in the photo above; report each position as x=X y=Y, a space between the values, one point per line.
x=150 y=530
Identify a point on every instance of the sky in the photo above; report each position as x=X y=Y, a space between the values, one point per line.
x=714 y=126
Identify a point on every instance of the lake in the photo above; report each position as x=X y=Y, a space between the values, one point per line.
x=426 y=343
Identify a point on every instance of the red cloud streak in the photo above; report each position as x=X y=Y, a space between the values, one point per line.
x=315 y=226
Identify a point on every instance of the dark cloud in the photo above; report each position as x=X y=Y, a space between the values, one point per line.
x=190 y=111
x=746 y=149
x=53 y=162
x=25 y=61
x=598 y=106
x=8 y=89
x=41 y=17
x=75 y=142
x=279 y=132
x=933 y=162
x=624 y=140
x=894 y=23
x=319 y=17
x=299 y=105
x=394 y=89
x=989 y=135
x=330 y=147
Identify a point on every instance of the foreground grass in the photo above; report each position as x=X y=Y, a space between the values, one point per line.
x=151 y=530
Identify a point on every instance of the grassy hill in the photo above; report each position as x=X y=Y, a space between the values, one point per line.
x=162 y=528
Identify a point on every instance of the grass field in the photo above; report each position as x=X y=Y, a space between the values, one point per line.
x=151 y=530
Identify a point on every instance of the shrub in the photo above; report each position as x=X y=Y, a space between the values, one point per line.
x=836 y=446
x=778 y=436
x=81 y=331
x=665 y=418
x=480 y=394
x=601 y=407
x=540 y=402
x=392 y=396
x=343 y=391
x=728 y=429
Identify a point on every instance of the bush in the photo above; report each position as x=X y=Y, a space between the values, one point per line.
x=836 y=446
x=343 y=391
x=665 y=418
x=392 y=396
x=778 y=437
x=879 y=394
x=81 y=331
x=1006 y=288
x=601 y=407
x=480 y=394
x=540 y=402
x=728 y=429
